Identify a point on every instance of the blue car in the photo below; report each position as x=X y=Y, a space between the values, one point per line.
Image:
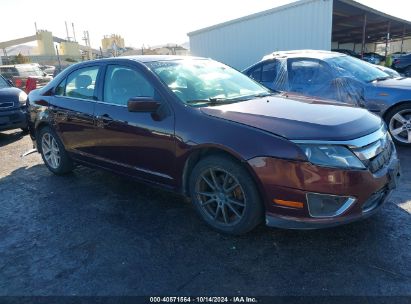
x=330 y=75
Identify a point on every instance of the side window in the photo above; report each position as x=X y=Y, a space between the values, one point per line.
x=308 y=72
x=60 y=88
x=269 y=72
x=255 y=73
x=121 y=83
x=82 y=83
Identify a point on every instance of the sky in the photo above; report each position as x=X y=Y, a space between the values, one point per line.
x=146 y=22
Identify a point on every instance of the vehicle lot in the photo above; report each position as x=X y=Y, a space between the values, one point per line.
x=94 y=233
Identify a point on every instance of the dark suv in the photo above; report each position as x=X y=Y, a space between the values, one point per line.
x=12 y=107
x=203 y=129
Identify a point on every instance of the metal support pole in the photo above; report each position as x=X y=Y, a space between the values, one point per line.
x=58 y=57
x=402 y=38
x=387 y=39
x=364 y=28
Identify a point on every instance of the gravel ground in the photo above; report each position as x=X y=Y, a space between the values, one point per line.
x=94 y=233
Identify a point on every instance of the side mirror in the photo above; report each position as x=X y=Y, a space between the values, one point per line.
x=143 y=104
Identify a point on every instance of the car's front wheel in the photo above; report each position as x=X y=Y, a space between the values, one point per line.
x=225 y=195
x=399 y=123
x=53 y=153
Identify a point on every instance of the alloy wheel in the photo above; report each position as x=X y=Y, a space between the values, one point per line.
x=221 y=196
x=400 y=126
x=50 y=150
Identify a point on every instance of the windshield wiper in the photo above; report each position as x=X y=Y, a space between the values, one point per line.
x=208 y=101
x=267 y=94
x=380 y=78
x=216 y=100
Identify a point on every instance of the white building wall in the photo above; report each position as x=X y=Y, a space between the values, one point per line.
x=306 y=24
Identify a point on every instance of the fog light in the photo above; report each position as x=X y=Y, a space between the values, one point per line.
x=325 y=205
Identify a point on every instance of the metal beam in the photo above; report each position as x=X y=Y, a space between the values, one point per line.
x=364 y=28
x=18 y=41
x=387 y=38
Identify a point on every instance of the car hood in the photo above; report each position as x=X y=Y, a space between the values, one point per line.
x=299 y=118
x=399 y=83
x=7 y=92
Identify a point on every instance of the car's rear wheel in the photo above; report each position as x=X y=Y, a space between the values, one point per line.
x=53 y=153
x=407 y=72
x=225 y=195
x=399 y=123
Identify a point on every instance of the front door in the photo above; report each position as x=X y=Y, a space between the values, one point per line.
x=73 y=109
x=140 y=144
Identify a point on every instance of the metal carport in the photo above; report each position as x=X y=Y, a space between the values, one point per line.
x=359 y=24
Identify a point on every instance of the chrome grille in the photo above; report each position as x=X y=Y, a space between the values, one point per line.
x=377 y=154
x=6 y=105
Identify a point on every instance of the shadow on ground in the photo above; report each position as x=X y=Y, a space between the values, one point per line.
x=10 y=137
x=94 y=233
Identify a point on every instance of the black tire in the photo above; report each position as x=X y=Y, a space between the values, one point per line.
x=65 y=164
x=405 y=111
x=227 y=172
x=407 y=72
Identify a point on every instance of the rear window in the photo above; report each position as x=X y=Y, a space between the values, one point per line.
x=28 y=71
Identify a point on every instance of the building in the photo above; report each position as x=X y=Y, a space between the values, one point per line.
x=112 y=42
x=305 y=24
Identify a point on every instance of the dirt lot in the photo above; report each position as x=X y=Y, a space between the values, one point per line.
x=94 y=233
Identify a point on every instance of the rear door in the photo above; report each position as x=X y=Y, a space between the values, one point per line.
x=140 y=144
x=73 y=109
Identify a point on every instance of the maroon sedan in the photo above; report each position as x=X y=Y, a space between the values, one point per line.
x=240 y=152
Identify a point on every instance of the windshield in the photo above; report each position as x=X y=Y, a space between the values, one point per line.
x=3 y=83
x=204 y=81
x=357 y=68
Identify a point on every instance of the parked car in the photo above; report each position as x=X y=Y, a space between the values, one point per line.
x=403 y=65
x=19 y=73
x=398 y=54
x=347 y=52
x=13 y=114
x=373 y=58
x=48 y=69
x=204 y=129
x=330 y=75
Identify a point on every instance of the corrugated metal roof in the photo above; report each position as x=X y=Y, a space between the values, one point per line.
x=252 y=16
x=354 y=4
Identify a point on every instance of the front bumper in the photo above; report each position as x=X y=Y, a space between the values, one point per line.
x=292 y=181
x=13 y=119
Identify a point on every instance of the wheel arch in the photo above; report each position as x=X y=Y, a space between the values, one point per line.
x=207 y=150
x=389 y=109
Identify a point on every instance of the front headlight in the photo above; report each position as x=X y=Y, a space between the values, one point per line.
x=331 y=156
x=22 y=98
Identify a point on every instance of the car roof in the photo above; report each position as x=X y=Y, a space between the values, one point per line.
x=146 y=58
x=18 y=65
x=151 y=58
x=317 y=54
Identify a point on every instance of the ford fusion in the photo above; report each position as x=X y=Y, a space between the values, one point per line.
x=240 y=152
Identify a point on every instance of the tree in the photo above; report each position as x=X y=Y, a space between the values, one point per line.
x=20 y=58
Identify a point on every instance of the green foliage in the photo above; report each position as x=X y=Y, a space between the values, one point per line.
x=20 y=58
